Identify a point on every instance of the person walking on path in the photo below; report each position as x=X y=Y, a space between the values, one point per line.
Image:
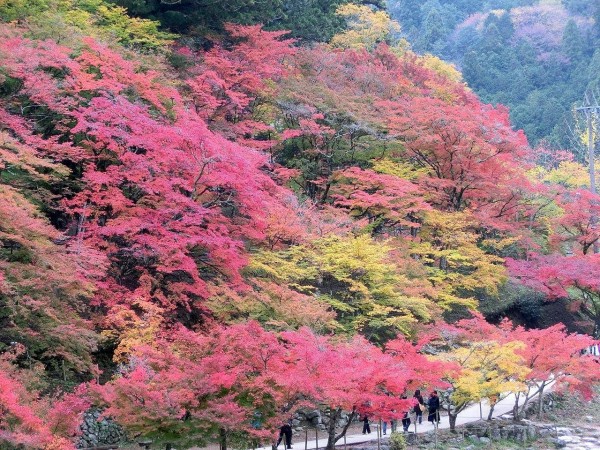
x=285 y=430
x=406 y=422
x=433 y=404
x=406 y=418
x=366 y=427
x=419 y=407
x=392 y=425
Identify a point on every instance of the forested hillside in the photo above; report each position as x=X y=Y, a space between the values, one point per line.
x=536 y=57
x=205 y=227
x=306 y=20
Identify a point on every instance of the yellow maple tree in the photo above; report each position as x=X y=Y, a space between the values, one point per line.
x=133 y=327
x=374 y=286
x=458 y=267
x=570 y=174
x=441 y=67
x=366 y=27
x=488 y=369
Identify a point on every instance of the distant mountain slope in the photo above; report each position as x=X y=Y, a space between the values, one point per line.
x=537 y=57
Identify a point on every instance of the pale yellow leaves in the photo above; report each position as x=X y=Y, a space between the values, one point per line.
x=366 y=28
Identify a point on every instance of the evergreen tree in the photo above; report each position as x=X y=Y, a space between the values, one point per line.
x=492 y=39
x=596 y=17
x=505 y=27
x=572 y=42
x=593 y=72
x=307 y=20
x=581 y=7
x=466 y=39
x=202 y=15
x=310 y=20
x=407 y=12
x=433 y=30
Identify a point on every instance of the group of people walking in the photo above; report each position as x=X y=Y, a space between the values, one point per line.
x=432 y=407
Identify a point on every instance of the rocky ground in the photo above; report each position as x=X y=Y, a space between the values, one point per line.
x=547 y=436
x=577 y=423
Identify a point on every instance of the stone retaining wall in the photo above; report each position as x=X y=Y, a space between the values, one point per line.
x=495 y=430
x=313 y=418
x=97 y=432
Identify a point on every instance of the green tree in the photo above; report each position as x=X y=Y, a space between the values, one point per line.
x=573 y=45
x=492 y=39
x=581 y=7
x=311 y=20
x=593 y=71
x=57 y=20
x=204 y=15
x=596 y=16
x=433 y=31
x=307 y=20
x=503 y=23
x=407 y=12
x=11 y=10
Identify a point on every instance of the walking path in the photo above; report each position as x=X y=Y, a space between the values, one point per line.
x=473 y=413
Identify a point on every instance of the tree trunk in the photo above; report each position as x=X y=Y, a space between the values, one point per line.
x=515 y=408
x=332 y=438
x=443 y=263
x=491 y=413
x=452 y=421
x=334 y=414
x=528 y=397
x=540 y=400
x=325 y=193
x=222 y=439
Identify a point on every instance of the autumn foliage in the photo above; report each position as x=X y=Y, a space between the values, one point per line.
x=200 y=241
x=242 y=382
x=490 y=361
x=29 y=420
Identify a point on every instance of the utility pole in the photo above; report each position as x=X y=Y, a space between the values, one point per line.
x=591 y=153
x=591 y=111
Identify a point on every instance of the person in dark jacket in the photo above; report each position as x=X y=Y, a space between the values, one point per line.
x=406 y=419
x=419 y=407
x=285 y=430
x=405 y=422
x=366 y=427
x=433 y=404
